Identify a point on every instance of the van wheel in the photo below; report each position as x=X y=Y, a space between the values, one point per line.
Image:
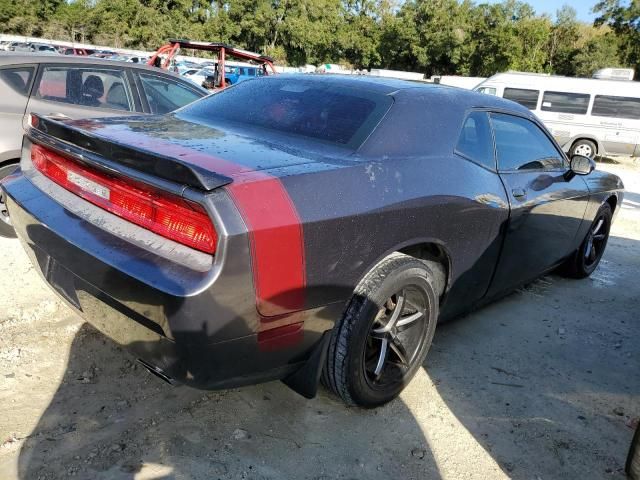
x=584 y=147
x=385 y=333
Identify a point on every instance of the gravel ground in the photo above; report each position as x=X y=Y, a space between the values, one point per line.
x=543 y=384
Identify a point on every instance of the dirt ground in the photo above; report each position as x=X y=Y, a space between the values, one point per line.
x=543 y=384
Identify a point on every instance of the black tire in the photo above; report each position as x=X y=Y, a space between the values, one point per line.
x=586 y=259
x=6 y=229
x=584 y=147
x=415 y=284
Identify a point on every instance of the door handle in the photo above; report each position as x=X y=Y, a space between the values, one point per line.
x=519 y=193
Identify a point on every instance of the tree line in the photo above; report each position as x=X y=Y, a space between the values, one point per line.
x=428 y=36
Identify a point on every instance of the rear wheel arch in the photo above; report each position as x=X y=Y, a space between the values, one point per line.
x=426 y=249
x=613 y=202
x=436 y=255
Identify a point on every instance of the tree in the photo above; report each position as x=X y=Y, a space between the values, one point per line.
x=428 y=36
x=562 y=41
x=625 y=23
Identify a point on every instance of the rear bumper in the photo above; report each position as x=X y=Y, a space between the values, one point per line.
x=198 y=328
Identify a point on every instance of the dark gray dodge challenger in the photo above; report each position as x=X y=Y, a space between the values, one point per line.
x=304 y=227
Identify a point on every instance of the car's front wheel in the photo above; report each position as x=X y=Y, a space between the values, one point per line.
x=6 y=229
x=585 y=260
x=385 y=333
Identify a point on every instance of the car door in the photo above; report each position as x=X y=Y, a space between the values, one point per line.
x=162 y=94
x=82 y=91
x=546 y=205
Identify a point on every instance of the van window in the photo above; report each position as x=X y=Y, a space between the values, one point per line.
x=565 y=102
x=522 y=145
x=620 y=107
x=475 y=140
x=487 y=90
x=525 y=97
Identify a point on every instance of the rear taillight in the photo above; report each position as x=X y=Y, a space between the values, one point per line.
x=165 y=214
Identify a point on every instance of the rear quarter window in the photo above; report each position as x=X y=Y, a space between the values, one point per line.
x=17 y=79
x=475 y=141
x=165 y=94
x=343 y=116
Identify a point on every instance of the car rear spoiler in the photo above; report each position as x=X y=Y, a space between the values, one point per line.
x=79 y=141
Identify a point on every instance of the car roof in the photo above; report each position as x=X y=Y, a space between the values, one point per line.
x=19 y=59
x=399 y=88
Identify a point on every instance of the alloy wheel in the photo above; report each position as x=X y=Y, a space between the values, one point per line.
x=596 y=241
x=395 y=337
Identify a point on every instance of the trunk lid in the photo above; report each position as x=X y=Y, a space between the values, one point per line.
x=173 y=149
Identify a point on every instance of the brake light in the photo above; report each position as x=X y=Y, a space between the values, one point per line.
x=165 y=214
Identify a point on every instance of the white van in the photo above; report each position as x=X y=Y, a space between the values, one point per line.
x=586 y=116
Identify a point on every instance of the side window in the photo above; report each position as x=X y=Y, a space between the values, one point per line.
x=526 y=98
x=619 y=107
x=86 y=86
x=488 y=90
x=564 y=102
x=522 y=145
x=475 y=140
x=17 y=78
x=165 y=95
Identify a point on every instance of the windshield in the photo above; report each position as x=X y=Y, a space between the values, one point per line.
x=339 y=115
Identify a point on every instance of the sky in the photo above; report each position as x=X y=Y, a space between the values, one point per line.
x=583 y=7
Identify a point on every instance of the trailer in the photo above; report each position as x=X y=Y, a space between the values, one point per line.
x=166 y=54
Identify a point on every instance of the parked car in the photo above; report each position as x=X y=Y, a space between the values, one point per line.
x=200 y=75
x=103 y=54
x=182 y=67
x=78 y=87
x=292 y=227
x=233 y=74
x=42 y=48
x=18 y=47
x=83 y=52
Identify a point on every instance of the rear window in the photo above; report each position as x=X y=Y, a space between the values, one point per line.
x=525 y=97
x=565 y=102
x=618 y=107
x=343 y=116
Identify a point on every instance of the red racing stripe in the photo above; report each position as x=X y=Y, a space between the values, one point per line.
x=276 y=236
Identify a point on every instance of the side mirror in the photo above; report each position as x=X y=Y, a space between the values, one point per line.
x=581 y=165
